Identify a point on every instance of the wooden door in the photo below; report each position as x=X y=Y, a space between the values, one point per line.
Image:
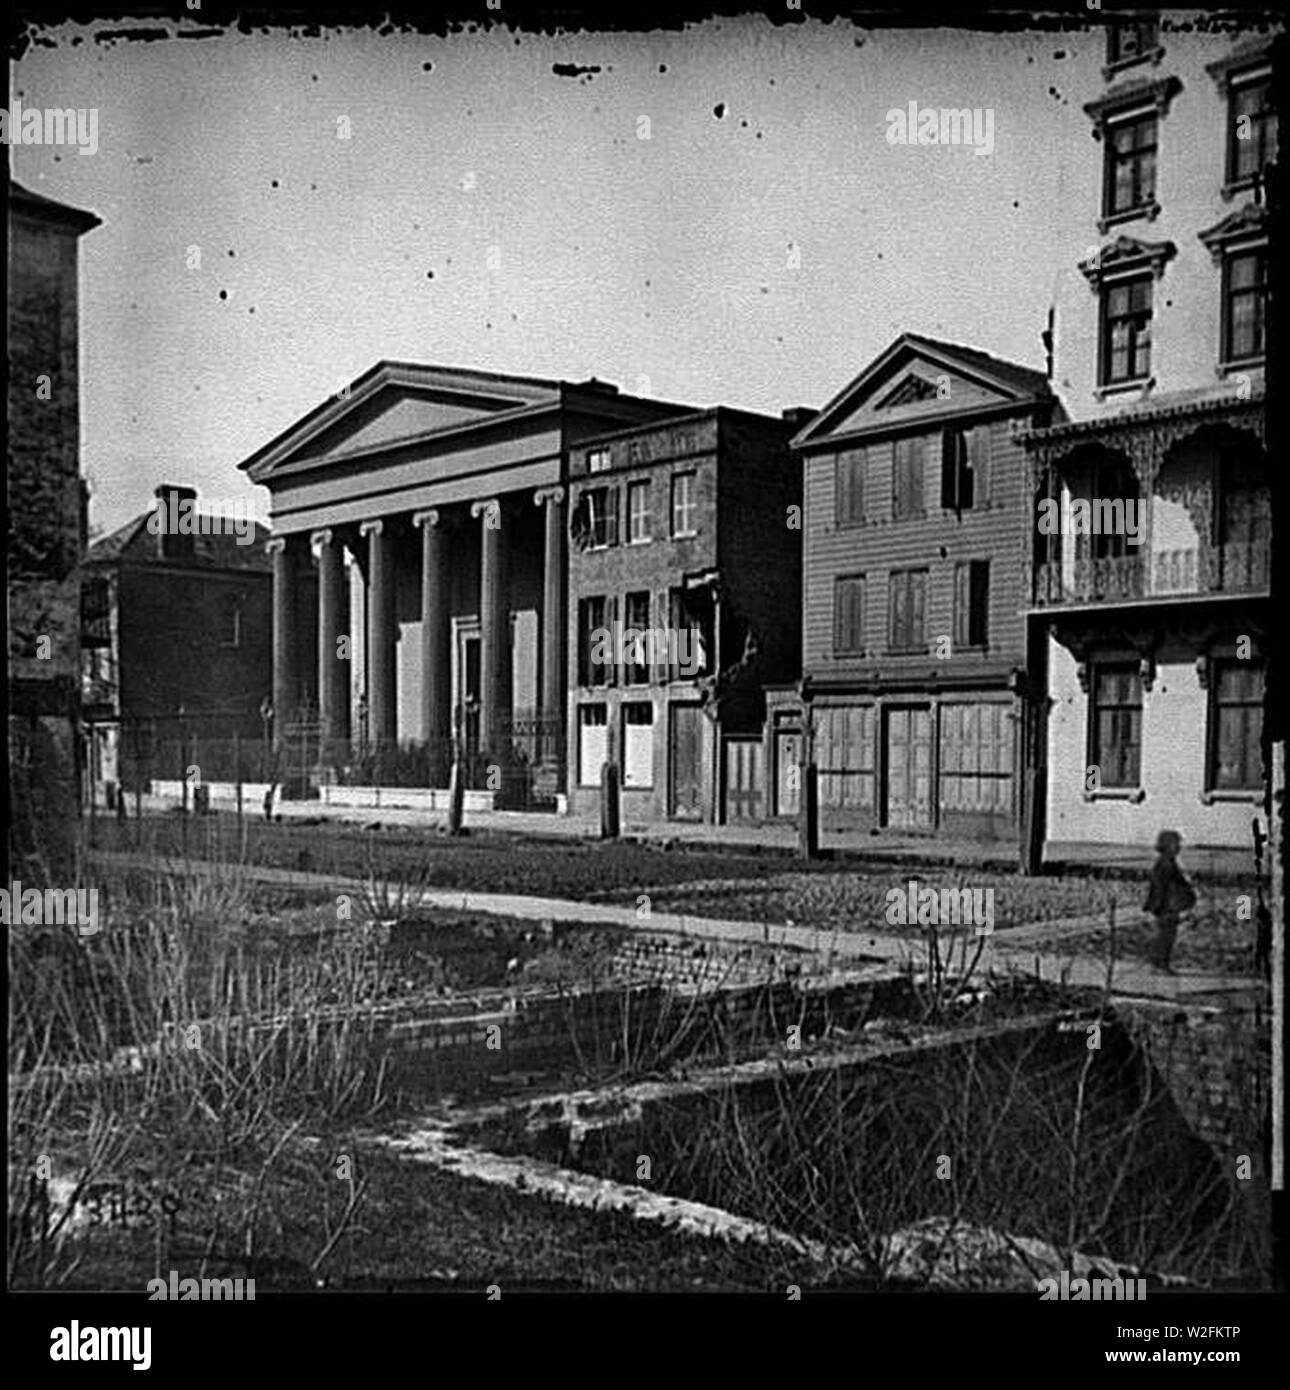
x=685 y=762
x=744 y=778
x=788 y=757
x=909 y=768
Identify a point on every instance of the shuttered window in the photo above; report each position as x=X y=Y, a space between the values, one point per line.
x=849 y=481
x=907 y=479
x=848 y=614
x=971 y=603
x=907 y=609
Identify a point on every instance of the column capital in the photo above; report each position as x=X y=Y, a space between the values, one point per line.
x=489 y=508
x=277 y=545
x=548 y=494
x=429 y=517
x=373 y=528
x=322 y=537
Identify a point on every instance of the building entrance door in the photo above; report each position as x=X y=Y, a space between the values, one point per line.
x=908 y=765
x=466 y=686
x=685 y=762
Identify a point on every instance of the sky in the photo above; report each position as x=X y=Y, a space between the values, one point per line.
x=457 y=201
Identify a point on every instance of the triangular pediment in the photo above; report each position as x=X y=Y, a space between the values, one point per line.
x=921 y=377
x=395 y=404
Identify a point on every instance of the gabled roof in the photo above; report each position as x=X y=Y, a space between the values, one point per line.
x=134 y=544
x=435 y=401
x=1008 y=380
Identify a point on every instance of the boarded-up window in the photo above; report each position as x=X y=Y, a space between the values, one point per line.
x=848 y=614
x=638 y=744
x=976 y=758
x=1236 y=722
x=844 y=756
x=907 y=479
x=849 y=476
x=907 y=603
x=593 y=730
x=971 y=603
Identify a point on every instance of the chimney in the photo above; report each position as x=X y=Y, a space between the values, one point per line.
x=798 y=416
x=177 y=509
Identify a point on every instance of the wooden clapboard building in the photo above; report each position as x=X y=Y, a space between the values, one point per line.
x=917 y=548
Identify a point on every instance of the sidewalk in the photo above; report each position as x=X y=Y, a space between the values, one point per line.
x=780 y=835
x=1132 y=979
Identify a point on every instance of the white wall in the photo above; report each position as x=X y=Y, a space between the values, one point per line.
x=1174 y=712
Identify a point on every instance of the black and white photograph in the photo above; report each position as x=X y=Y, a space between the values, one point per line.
x=641 y=662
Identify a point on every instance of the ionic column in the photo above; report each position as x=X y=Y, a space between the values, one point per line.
x=333 y=671
x=436 y=652
x=495 y=632
x=553 y=618
x=285 y=676
x=381 y=688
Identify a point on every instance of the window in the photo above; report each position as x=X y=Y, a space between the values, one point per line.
x=597 y=460
x=1252 y=128
x=1244 y=298
x=1130 y=41
x=637 y=639
x=601 y=505
x=593 y=632
x=908 y=604
x=1236 y=727
x=683 y=504
x=1115 y=712
x=971 y=603
x=907 y=480
x=1126 y=330
x=848 y=615
x=638 y=744
x=963 y=464
x=1130 y=168
x=848 y=487
x=593 y=743
x=639 y=524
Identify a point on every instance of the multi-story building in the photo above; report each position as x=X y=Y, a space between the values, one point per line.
x=1150 y=604
x=431 y=502
x=684 y=575
x=919 y=542
x=47 y=531
x=177 y=646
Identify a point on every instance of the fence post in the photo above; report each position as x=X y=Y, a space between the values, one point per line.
x=456 y=784
x=237 y=777
x=609 y=808
x=808 y=823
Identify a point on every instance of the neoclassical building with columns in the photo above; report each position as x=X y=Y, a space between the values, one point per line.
x=419 y=574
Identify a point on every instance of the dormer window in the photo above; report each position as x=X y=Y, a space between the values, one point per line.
x=1132 y=41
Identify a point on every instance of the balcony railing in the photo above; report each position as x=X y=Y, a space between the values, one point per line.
x=1236 y=567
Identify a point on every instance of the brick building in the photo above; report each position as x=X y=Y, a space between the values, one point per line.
x=177 y=646
x=684 y=575
x=918 y=549
x=46 y=533
x=1154 y=637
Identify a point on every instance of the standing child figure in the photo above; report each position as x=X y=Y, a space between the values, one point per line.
x=1169 y=897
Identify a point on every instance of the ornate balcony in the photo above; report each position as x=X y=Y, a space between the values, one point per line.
x=1231 y=568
